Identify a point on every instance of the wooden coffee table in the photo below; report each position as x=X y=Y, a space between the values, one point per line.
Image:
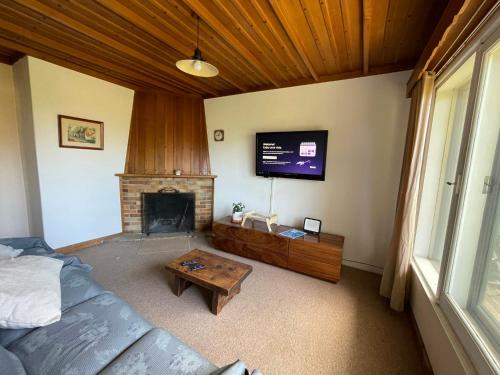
x=221 y=275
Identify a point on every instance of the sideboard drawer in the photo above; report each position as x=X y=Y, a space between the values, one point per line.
x=263 y=254
x=318 y=269
x=315 y=252
x=313 y=259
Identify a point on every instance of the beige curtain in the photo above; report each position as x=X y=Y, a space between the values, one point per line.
x=395 y=278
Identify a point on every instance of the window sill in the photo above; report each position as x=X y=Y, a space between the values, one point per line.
x=429 y=272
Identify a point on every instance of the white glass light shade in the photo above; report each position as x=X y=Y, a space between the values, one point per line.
x=197 y=68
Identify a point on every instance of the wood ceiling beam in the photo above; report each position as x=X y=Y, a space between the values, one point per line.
x=58 y=58
x=204 y=13
x=281 y=14
x=149 y=8
x=319 y=26
x=404 y=29
x=327 y=20
x=115 y=62
x=131 y=16
x=258 y=44
x=350 y=21
x=273 y=28
x=255 y=20
x=224 y=6
x=217 y=47
x=469 y=25
x=312 y=13
x=394 y=28
x=450 y=13
x=43 y=55
x=374 y=70
x=459 y=16
x=211 y=39
x=120 y=8
x=120 y=28
x=102 y=38
x=367 y=22
x=53 y=44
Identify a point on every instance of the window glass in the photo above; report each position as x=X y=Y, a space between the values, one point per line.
x=443 y=152
x=474 y=283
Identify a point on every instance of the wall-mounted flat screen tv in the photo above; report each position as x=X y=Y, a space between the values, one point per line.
x=298 y=154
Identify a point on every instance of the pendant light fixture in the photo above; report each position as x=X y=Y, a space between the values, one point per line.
x=196 y=65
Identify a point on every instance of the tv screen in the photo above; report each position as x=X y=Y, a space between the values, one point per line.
x=300 y=154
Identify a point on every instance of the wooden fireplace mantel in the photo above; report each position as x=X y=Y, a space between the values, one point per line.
x=163 y=175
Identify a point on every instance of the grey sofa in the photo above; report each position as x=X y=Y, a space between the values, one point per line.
x=98 y=332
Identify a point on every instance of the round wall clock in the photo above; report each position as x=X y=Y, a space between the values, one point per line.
x=218 y=135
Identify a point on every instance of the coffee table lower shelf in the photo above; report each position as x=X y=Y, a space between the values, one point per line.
x=219 y=300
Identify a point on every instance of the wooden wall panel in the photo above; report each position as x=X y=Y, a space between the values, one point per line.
x=167 y=133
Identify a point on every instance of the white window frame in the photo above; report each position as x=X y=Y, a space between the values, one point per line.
x=482 y=317
x=464 y=324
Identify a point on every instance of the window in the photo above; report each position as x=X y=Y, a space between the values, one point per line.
x=458 y=229
x=472 y=290
x=443 y=152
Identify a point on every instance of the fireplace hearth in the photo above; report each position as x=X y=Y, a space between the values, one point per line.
x=168 y=212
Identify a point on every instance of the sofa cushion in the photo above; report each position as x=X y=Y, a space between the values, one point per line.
x=30 y=291
x=159 y=353
x=9 y=251
x=84 y=341
x=34 y=245
x=9 y=363
x=77 y=286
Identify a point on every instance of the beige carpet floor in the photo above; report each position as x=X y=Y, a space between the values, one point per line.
x=282 y=322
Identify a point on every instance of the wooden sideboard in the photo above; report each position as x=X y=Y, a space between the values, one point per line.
x=319 y=256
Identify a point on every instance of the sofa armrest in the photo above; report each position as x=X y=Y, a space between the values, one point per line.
x=26 y=243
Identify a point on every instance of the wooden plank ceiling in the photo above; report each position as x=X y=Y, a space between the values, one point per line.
x=256 y=44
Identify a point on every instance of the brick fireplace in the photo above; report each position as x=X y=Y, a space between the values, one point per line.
x=132 y=185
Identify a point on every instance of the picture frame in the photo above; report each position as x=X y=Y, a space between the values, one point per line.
x=312 y=226
x=76 y=132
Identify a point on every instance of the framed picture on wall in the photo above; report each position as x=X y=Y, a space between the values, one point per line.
x=77 y=132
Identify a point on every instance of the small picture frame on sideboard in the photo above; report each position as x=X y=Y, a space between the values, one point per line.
x=312 y=226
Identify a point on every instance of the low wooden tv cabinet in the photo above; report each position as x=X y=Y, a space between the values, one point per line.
x=319 y=256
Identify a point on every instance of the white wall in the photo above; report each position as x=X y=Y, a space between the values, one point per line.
x=13 y=211
x=79 y=192
x=443 y=348
x=28 y=150
x=366 y=118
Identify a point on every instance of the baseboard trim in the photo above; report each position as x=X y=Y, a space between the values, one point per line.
x=85 y=244
x=362 y=266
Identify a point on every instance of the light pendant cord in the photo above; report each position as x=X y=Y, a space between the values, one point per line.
x=197 y=31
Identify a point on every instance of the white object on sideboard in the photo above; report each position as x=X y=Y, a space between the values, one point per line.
x=268 y=219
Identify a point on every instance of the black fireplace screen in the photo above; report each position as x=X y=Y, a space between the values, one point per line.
x=167 y=212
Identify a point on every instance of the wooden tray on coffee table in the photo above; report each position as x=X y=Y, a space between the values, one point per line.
x=221 y=275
